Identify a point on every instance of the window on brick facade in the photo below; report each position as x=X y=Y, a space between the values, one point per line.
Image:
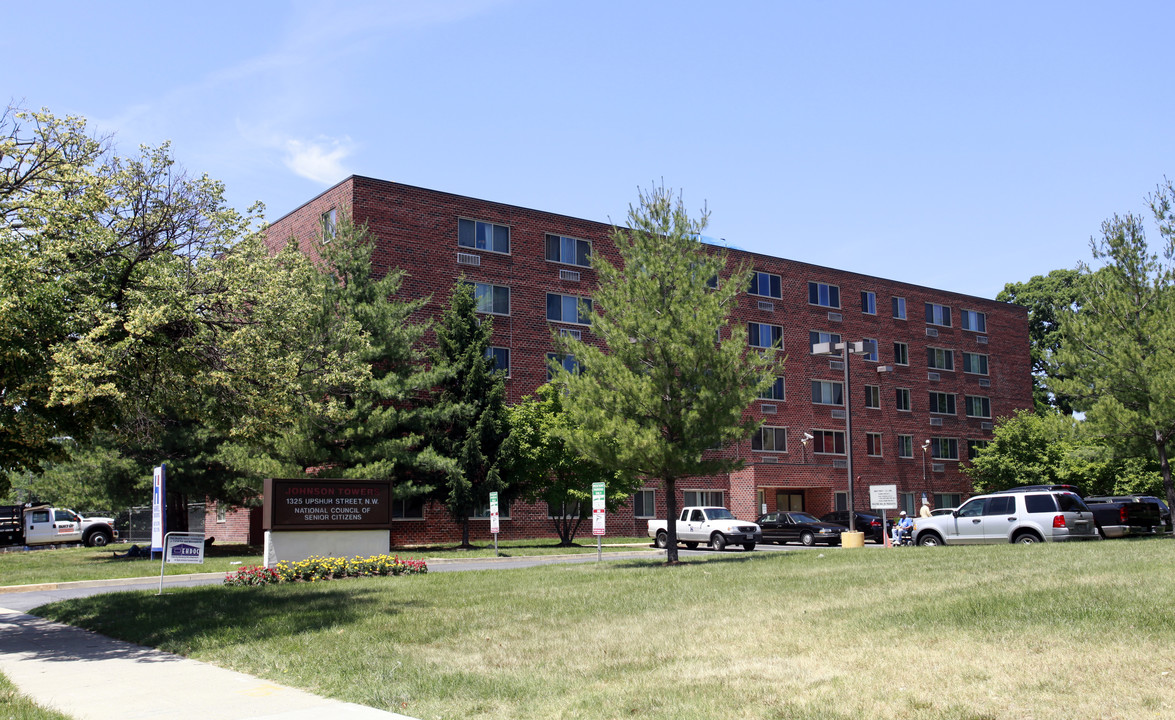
x=975 y=363
x=823 y=294
x=972 y=320
x=775 y=392
x=944 y=448
x=828 y=442
x=873 y=396
x=482 y=510
x=762 y=335
x=410 y=509
x=947 y=500
x=868 y=302
x=974 y=446
x=870 y=349
x=898 y=305
x=940 y=358
x=567 y=362
x=873 y=444
x=501 y=358
x=221 y=513
x=770 y=439
x=817 y=336
x=901 y=353
x=569 y=309
x=942 y=403
x=568 y=250
x=483 y=236
x=902 y=399
x=766 y=285
x=938 y=314
x=905 y=446
x=491 y=299
x=977 y=406
x=703 y=498
x=569 y=509
x=644 y=504
x=825 y=392
x=328 y=225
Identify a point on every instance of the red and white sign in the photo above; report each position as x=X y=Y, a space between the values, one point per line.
x=598 y=508
x=494 y=513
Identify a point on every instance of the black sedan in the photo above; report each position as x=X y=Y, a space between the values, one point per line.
x=866 y=523
x=783 y=527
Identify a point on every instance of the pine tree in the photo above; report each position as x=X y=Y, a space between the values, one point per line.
x=665 y=391
x=468 y=418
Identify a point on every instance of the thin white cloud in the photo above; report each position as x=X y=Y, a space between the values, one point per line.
x=318 y=160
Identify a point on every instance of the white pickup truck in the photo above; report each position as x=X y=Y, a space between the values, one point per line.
x=715 y=526
x=45 y=525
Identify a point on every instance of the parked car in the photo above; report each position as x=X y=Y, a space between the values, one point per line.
x=1011 y=516
x=1122 y=515
x=867 y=523
x=784 y=527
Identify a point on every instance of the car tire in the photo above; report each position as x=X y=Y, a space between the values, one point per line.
x=662 y=539
x=99 y=538
x=930 y=540
x=807 y=538
x=748 y=546
x=692 y=545
x=1026 y=538
x=718 y=542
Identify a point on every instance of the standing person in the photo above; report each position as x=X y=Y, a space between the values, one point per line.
x=925 y=511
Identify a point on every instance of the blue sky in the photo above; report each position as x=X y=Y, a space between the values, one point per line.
x=960 y=145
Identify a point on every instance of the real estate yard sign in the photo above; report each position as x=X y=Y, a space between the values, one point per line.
x=184 y=548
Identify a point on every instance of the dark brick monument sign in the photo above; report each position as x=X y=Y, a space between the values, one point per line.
x=327 y=504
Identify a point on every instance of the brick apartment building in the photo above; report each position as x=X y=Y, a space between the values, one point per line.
x=949 y=363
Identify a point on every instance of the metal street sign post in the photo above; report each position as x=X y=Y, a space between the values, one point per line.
x=494 y=520
x=182 y=548
x=598 y=518
x=883 y=497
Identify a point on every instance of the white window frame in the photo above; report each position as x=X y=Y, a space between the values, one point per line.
x=875 y=439
x=509 y=239
x=490 y=353
x=898 y=307
x=831 y=392
x=937 y=447
x=820 y=433
x=650 y=504
x=582 y=303
x=703 y=497
x=872 y=397
x=905 y=353
x=938 y=313
x=778 y=383
x=560 y=239
x=491 y=287
x=905 y=446
x=898 y=395
x=983 y=356
x=777 y=431
x=969 y=318
x=828 y=287
x=947 y=353
x=868 y=302
x=932 y=401
x=759 y=336
x=982 y=400
x=755 y=279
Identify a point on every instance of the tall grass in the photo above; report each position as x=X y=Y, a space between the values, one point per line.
x=1049 y=631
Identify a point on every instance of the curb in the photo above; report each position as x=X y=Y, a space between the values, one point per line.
x=41 y=587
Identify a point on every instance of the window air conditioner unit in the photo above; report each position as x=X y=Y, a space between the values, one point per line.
x=468 y=259
x=933 y=376
x=938 y=467
x=984 y=382
x=768 y=409
x=571 y=275
x=769 y=307
x=836 y=365
x=578 y=335
x=838 y=414
x=986 y=426
x=981 y=339
x=835 y=317
x=840 y=463
x=931 y=332
x=769 y=459
x=937 y=422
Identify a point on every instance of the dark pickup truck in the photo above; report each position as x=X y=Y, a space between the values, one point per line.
x=1122 y=516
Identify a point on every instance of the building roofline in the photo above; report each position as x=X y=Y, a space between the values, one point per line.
x=734 y=251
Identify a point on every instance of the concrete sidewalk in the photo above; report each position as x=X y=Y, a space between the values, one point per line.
x=86 y=675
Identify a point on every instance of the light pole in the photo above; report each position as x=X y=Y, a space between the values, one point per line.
x=843 y=350
x=925 y=447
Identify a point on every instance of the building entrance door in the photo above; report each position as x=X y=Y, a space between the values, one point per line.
x=790 y=501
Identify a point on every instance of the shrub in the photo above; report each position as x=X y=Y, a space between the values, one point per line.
x=316 y=568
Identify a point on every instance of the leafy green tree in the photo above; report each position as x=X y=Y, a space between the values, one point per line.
x=547 y=470
x=1053 y=448
x=467 y=423
x=665 y=390
x=134 y=300
x=1116 y=352
x=1046 y=297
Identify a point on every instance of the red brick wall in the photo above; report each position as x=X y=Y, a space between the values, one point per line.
x=417 y=231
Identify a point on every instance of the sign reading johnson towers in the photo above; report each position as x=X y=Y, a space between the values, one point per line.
x=318 y=504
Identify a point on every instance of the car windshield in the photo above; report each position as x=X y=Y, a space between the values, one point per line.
x=802 y=517
x=719 y=514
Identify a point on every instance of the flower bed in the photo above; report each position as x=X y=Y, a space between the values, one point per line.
x=316 y=568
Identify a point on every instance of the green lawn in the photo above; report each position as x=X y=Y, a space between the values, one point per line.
x=79 y=563
x=971 y=633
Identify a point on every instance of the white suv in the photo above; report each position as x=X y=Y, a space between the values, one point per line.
x=1019 y=517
